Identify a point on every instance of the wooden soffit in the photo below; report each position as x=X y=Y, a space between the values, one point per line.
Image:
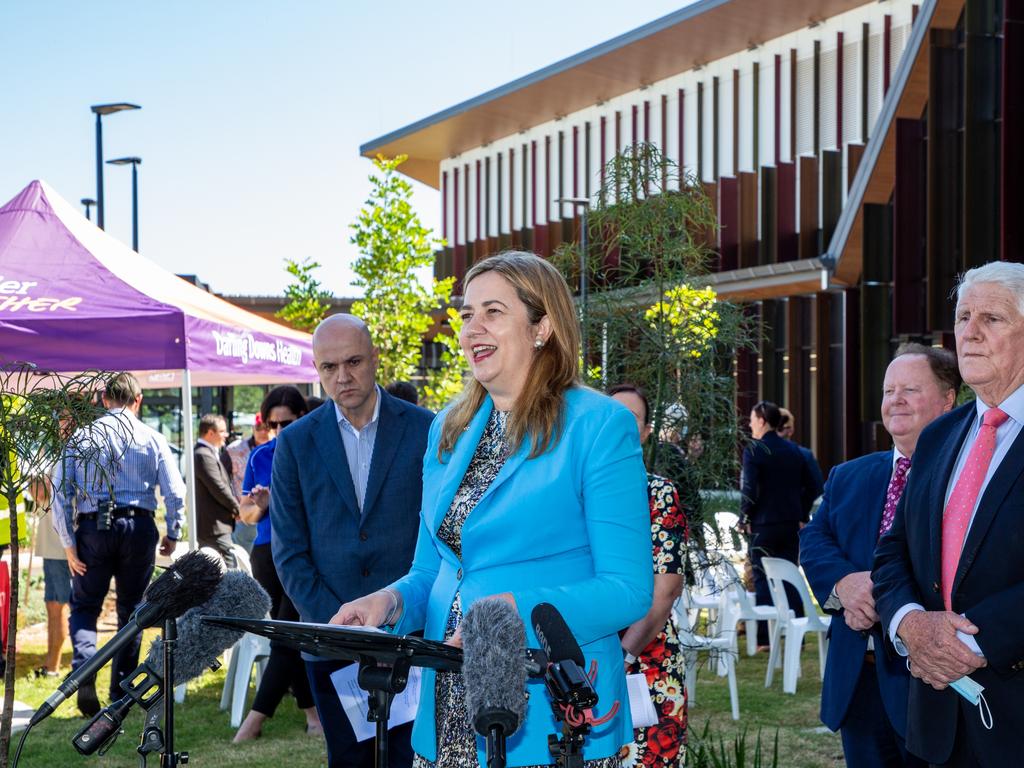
x=702 y=32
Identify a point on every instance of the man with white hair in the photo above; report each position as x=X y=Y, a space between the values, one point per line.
x=949 y=576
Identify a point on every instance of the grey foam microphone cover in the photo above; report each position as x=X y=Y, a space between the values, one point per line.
x=238 y=595
x=493 y=665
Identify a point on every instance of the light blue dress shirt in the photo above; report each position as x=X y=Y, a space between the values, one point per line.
x=136 y=459
x=359 y=447
x=1012 y=406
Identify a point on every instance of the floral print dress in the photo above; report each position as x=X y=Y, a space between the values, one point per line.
x=661 y=662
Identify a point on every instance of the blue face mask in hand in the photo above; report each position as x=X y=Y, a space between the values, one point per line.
x=972 y=692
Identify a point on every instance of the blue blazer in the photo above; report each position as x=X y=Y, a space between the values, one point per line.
x=988 y=588
x=840 y=540
x=326 y=551
x=571 y=528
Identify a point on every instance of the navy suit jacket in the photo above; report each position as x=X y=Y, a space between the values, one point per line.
x=326 y=551
x=777 y=482
x=988 y=588
x=840 y=540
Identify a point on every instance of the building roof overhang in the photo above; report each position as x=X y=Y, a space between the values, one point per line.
x=702 y=32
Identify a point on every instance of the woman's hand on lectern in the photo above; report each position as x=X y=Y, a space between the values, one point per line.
x=372 y=610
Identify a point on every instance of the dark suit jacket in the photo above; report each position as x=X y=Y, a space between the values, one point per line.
x=215 y=503
x=840 y=540
x=817 y=482
x=988 y=588
x=776 y=482
x=327 y=552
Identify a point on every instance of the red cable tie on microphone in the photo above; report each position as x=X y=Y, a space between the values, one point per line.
x=595 y=721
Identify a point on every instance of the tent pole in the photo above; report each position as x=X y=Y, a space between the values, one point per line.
x=190 y=458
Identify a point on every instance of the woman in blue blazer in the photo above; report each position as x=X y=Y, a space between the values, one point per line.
x=534 y=490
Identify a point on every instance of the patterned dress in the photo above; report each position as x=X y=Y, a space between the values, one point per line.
x=661 y=745
x=456 y=740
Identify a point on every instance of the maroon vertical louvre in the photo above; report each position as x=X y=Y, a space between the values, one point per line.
x=478 y=237
x=511 y=191
x=1012 y=170
x=455 y=206
x=604 y=145
x=910 y=214
x=465 y=205
x=618 y=131
x=647 y=121
x=735 y=121
x=785 y=211
x=547 y=179
x=533 y=183
x=664 y=141
x=575 y=162
x=792 y=104
x=444 y=205
x=886 y=52
x=728 y=224
x=682 y=136
x=635 y=119
x=778 y=108
x=839 y=90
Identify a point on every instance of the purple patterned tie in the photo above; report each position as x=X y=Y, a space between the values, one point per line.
x=892 y=496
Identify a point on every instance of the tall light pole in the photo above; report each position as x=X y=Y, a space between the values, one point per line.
x=100 y=110
x=88 y=202
x=134 y=162
x=584 y=204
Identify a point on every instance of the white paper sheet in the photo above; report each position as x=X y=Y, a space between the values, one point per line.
x=641 y=706
x=355 y=702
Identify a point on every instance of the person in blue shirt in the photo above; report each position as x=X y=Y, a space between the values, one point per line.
x=285 y=668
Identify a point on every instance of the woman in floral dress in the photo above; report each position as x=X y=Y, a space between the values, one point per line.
x=651 y=645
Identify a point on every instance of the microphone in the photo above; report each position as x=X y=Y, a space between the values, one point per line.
x=566 y=681
x=190 y=580
x=198 y=647
x=493 y=671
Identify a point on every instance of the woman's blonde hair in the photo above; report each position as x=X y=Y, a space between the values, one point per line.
x=538 y=410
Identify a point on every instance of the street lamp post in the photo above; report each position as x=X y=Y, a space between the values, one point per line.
x=584 y=204
x=134 y=162
x=88 y=202
x=100 y=110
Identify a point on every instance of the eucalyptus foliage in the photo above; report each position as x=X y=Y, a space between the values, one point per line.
x=651 y=319
x=307 y=301
x=40 y=419
x=393 y=244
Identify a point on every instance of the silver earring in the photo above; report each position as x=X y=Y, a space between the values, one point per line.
x=539 y=343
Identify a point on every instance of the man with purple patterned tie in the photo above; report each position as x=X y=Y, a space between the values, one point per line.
x=949 y=577
x=864 y=695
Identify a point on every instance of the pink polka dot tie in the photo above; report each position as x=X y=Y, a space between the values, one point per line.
x=964 y=497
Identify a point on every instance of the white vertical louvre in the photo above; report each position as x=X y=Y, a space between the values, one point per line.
x=746 y=119
x=690 y=138
x=726 y=140
x=470 y=226
x=671 y=148
x=805 y=106
x=766 y=135
x=492 y=196
x=851 y=93
x=875 y=80
x=827 y=106
x=897 y=44
x=786 y=98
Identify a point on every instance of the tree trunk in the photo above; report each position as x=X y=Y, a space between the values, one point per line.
x=7 y=716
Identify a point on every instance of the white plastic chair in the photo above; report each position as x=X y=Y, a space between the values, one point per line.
x=692 y=645
x=780 y=572
x=741 y=607
x=249 y=653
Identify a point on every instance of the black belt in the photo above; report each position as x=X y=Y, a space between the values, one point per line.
x=128 y=511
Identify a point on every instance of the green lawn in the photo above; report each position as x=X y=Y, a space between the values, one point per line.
x=204 y=731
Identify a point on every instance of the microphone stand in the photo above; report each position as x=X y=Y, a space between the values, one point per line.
x=168 y=757
x=381 y=684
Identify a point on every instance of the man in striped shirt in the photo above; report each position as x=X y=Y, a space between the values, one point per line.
x=113 y=500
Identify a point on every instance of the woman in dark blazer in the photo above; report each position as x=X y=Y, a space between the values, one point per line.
x=775 y=501
x=534 y=490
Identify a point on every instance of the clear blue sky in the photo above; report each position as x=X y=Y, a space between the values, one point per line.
x=253 y=112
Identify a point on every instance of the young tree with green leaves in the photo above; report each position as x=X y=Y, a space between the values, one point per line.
x=307 y=301
x=393 y=244
x=39 y=416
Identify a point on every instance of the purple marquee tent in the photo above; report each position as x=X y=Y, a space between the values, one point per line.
x=73 y=298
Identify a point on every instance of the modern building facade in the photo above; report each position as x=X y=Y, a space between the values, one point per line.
x=859 y=154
